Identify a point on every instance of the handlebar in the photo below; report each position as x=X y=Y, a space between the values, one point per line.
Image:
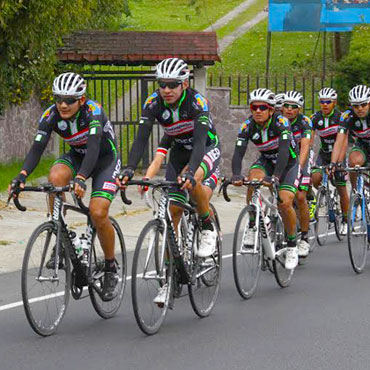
x=255 y=183
x=148 y=183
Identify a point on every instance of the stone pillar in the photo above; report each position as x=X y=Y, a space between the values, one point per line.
x=228 y=119
x=200 y=79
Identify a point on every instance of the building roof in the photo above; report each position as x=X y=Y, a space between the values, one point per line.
x=139 y=48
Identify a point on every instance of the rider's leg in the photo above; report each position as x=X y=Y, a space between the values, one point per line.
x=356 y=158
x=254 y=174
x=304 y=216
x=316 y=179
x=288 y=215
x=59 y=175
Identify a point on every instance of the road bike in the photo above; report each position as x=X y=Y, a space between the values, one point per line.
x=269 y=248
x=166 y=259
x=46 y=289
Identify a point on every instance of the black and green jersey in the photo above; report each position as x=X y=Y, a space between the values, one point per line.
x=90 y=134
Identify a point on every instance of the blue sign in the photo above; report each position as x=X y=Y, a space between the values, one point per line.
x=317 y=15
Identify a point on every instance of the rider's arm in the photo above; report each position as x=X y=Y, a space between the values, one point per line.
x=306 y=141
x=160 y=156
x=93 y=148
x=341 y=141
x=240 y=149
x=41 y=140
x=200 y=135
x=285 y=138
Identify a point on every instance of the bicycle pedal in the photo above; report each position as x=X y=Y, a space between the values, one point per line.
x=98 y=275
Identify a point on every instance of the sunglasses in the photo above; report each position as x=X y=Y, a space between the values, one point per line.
x=262 y=108
x=326 y=101
x=362 y=105
x=292 y=106
x=171 y=85
x=62 y=99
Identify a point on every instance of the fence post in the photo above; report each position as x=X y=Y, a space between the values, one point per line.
x=143 y=96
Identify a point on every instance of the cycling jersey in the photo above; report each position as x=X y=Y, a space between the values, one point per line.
x=327 y=128
x=189 y=124
x=89 y=133
x=275 y=143
x=301 y=128
x=358 y=127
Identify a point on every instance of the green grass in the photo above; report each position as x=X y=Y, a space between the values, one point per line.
x=242 y=18
x=176 y=15
x=292 y=52
x=9 y=171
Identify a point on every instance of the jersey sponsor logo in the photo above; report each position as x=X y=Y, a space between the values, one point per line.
x=358 y=124
x=345 y=115
x=149 y=99
x=179 y=128
x=332 y=130
x=362 y=134
x=283 y=121
x=166 y=114
x=79 y=138
x=94 y=107
x=320 y=123
x=202 y=102
x=110 y=186
x=256 y=136
x=272 y=144
x=47 y=114
x=308 y=120
x=244 y=126
x=62 y=125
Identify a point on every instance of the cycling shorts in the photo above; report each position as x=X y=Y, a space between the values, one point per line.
x=340 y=177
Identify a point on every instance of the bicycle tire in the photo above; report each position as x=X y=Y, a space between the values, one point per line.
x=283 y=276
x=205 y=285
x=107 y=309
x=357 y=240
x=34 y=294
x=244 y=285
x=150 y=325
x=322 y=216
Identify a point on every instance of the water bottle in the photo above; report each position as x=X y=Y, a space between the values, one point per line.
x=267 y=224
x=76 y=242
x=85 y=249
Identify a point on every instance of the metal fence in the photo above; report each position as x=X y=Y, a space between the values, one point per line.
x=242 y=85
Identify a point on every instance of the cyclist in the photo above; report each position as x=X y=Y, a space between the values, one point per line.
x=354 y=121
x=83 y=124
x=326 y=123
x=271 y=133
x=302 y=132
x=184 y=114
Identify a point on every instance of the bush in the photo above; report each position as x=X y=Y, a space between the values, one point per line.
x=354 y=69
x=32 y=30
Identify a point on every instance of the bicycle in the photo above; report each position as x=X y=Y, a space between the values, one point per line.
x=359 y=219
x=165 y=258
x=269 y=247
x=328 y=210
x=46 y=290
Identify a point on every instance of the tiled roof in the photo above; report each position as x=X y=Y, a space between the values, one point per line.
x=131 y=47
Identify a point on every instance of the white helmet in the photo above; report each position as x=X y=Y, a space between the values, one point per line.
x=279 y=98
x=172 y=68
x=359 y=94
x=69 y=84
x=263 y=95
x=328 y=93
x=294 y=97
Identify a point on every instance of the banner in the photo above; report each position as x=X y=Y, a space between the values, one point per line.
x=317 y=15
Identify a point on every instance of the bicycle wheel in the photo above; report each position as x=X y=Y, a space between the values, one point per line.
x=357 y=233
x=322 y=217
x=215 y=215
x=338 y=215
x=283 y=276
x=205 y=285
x=152 y=268
x=45 y=294
x=108 y=309
x=246 y=263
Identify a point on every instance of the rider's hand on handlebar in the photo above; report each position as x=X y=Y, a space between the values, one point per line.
x=126 y=175
x=331 y=169
x=143 y=189
x=188 y=181
x=18 y=182
x=79 y=186
x=237 y=180
x=271 y=180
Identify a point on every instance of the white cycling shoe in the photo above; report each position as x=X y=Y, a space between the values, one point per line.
x=207 y=245
x=249 y=238
x=161 y=297
x=303 y=248
x=291 y=258
x=343 y=228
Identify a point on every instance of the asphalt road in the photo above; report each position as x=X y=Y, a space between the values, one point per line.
x=322 y=321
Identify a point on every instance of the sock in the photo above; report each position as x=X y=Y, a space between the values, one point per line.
x=110 y=265
x=206 y=221
x=305 y=236
x=292 y=241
